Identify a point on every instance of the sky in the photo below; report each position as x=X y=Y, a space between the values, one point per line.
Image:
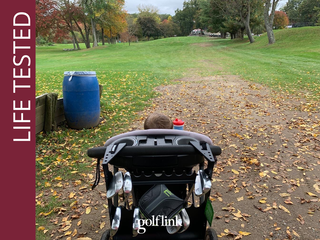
x=164 y=6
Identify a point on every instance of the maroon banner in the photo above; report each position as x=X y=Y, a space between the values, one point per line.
x=18 y=119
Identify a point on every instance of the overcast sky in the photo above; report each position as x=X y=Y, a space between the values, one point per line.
x=164 y=6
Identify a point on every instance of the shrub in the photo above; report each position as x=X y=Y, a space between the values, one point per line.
x=281 y=20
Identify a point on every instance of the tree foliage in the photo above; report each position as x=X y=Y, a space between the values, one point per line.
x=281 y=20
x=303 y=12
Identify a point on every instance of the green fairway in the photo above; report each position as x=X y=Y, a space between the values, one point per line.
x=292 y=62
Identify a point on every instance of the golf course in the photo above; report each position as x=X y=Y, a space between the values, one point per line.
x=215 y=85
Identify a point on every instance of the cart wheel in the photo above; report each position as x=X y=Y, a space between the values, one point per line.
x=211 y=234
x=105 y=235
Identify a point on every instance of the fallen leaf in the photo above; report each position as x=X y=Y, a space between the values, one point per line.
x=240 y=199
x=317 y=187
x=244 y=233
x=267 y=209
x=300 y=219
x=72 y=194
x=74 y=233
x=88 y=210
x=238 y=214
x=284 y=209
x=102 y=225
x=295 y=233
x=288 y=201
x=41 y=228
x=284 y=194
x=235 y=172
x=263 y=200
x=311 y=194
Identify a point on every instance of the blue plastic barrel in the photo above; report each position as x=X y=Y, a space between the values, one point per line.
x=81 y=99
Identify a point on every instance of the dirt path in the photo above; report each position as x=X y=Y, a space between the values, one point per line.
x=267 y=181
x=266 y=184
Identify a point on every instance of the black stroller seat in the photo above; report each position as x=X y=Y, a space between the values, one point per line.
x=159 y=157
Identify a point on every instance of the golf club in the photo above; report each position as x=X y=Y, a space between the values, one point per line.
x=136 y=222
x=127 y=188
x=115 y=222
x=115 y=184
x=185 y=220
x=175 y=228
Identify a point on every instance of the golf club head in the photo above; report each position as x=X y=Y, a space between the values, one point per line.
x=176 y=228
x=206 y=182
x=127 y=183
x=185 y=220
x=136 y=222
x=111 y=188
x=115 y=222
x=198 y=190
x=119 y=181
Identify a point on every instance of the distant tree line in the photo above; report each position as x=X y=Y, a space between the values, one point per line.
x=93 y=21
x=303 y=12
x=239 y=17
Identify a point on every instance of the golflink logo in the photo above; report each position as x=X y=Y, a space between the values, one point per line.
x=157 y=221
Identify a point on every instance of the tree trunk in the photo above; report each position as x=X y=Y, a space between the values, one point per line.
x=268 y=19
x=75 y=41
x=102 y=36
x=94 y=33
x=84 y=37
x=247 y=25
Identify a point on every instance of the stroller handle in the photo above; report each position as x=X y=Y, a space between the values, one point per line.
x=98 y=152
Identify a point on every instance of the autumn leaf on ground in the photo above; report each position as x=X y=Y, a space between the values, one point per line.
x=311 y=194
x=263 y=200
x=244 y=233
x=235 y=171
x=88 y=210
x=238 y=214
x=288 y=201
x=300 y=219
x=102 y=225
x=284 y=209
x=71 y=195
x=317 y=187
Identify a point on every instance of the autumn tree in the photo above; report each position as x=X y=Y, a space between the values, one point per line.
x=281 y=20
x=49 y=24
x=69 y=12
x=112 y=19
x=91 y=7
x=132 y=27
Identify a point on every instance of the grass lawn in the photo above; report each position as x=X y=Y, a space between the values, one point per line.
x=129 y=74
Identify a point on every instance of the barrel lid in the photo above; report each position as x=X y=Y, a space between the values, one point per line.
x=178 y=122
x=79 y=73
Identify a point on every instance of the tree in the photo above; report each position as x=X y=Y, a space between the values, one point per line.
x=308 y=11
x=69 y=11
x=48 y=21
x=132 y=27
x=291 y=9
x=188 y=18
x=268 y=18
x=91 y=7
x=149 y=26
x=112 y=19
x=281 y=20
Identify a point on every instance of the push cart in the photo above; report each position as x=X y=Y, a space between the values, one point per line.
x=163 y=164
